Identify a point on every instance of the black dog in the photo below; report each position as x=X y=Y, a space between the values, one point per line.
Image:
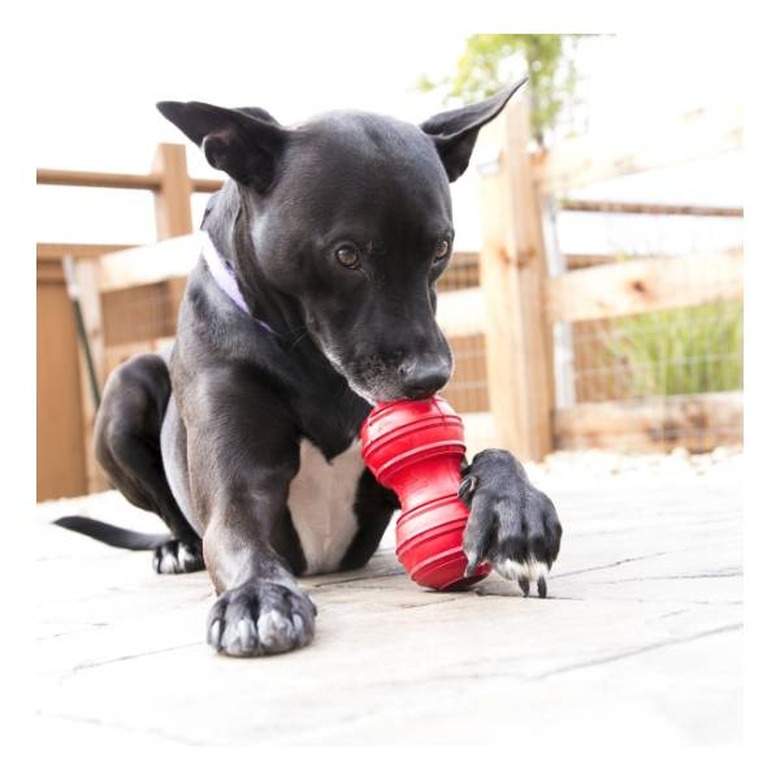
x=314 y=298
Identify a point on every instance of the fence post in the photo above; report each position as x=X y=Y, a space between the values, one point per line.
x=86 y=273
x=172 y=201
x=513 y=273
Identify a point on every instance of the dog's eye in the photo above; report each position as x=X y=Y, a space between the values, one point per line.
x=348 y=255
x=442 y=249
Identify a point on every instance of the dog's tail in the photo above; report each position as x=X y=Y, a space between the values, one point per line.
x=113 y=535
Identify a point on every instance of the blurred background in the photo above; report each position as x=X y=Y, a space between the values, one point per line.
x=595 y=297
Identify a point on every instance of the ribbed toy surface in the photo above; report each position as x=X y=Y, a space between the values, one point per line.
x=415 y=448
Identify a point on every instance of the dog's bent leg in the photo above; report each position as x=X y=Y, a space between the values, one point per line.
x=374 y=507
x=240 y=473
x=127 y=446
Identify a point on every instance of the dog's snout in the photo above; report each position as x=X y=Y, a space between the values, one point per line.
x=422 y=378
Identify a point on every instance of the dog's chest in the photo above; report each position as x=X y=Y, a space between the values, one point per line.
x=321 y=503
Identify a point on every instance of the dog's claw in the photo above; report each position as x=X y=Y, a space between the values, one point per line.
x=215 y=632
x=247 y=637
x=470 y=567
x=524 y=585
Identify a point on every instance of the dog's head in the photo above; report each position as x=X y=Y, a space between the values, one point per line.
x=350 y=215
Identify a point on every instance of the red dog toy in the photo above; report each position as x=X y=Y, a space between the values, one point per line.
x=415 y=448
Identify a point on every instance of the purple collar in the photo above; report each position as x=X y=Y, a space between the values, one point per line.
x=225 y=277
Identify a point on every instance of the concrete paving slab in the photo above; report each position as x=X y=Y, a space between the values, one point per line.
x=640 y=639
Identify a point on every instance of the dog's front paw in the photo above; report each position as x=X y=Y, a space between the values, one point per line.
x=261 y=617
x=512 y=525
x=178 y=557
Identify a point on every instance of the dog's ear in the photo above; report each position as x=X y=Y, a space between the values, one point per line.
x=245 y=143
x=455 y=132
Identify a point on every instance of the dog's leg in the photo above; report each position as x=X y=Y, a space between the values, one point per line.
x=127 y=445
x=261 y=610
x=374 y=506
x=242 y=447
x=512 y=524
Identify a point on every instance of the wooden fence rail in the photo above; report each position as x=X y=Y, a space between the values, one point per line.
x=658 y=209
x=153 y=182
x=516 y=194
x=582 y=161
x=639 y=286
x=614 y=289
x=62 y=396
x=168 y=180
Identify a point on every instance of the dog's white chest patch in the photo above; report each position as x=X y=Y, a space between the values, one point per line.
x=321 y=500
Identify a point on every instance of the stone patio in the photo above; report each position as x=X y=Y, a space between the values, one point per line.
x=639 y=641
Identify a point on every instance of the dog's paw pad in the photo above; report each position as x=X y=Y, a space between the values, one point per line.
x=177 y=558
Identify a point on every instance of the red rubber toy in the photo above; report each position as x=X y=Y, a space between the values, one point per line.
x=416 y=448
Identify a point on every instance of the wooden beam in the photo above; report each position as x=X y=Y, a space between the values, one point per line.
x=513 y=271
x=480 y=432
x=119 y=181
x=576 y=261
x=149 y=264
x=86 y=278
x=56 y=252
x=61 y=465
x=461 y=312
x=697 y=422
x=578 y=162
x=118 y=353
x=660 y=209
x=172 y=199
x=637 y=286
x=49 y=272
x=207 y=185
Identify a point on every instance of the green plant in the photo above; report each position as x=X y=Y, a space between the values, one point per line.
x=680 y=351
x=547 y=59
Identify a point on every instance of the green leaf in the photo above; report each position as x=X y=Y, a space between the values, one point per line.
x=482 y=70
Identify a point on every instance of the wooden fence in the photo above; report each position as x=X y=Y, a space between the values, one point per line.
x=65 y=410
x=502 y=309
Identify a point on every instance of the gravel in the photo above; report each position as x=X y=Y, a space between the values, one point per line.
x=575 y=467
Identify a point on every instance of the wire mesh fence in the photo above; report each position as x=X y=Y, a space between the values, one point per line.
x=139 y=319
x=663 y=353
x=682 y=363
x=467 y=391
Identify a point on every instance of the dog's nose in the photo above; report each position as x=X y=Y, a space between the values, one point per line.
x=422 y=378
